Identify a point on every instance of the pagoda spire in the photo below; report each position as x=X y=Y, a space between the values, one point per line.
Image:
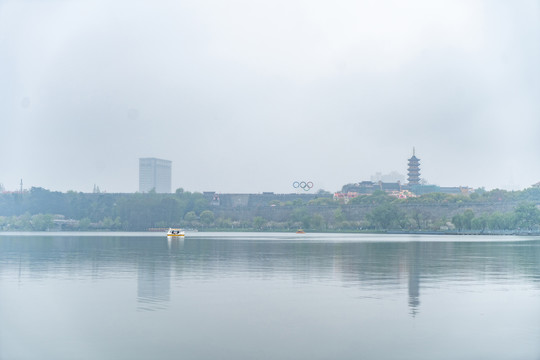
x=413 y=171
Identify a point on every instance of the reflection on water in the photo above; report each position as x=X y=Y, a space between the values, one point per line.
x=414 y=278
x=153 y=283
x=370 y=265
x=238 y=276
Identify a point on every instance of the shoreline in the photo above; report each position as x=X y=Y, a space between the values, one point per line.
x=307 y=232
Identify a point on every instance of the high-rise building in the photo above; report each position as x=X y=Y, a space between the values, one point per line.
x=414 y=170
x=154 y=174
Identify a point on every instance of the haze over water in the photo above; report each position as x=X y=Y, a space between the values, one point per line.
x=268 y=296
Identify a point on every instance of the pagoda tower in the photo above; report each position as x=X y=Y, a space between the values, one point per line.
x=414 y=170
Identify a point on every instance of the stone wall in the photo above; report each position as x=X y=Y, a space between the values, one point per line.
x=259 y=206
x=256 y=200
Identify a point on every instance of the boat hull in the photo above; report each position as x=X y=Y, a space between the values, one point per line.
x=175 y=232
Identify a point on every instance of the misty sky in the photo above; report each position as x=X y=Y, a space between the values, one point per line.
x=249 y=96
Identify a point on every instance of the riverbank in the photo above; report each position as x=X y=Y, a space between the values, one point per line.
x=307 y=232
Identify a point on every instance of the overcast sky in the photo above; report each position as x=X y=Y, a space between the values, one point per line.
x=249 y=96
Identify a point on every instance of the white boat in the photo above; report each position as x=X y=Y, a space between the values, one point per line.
x=175 y=232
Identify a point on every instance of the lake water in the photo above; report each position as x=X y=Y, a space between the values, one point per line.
x=268 y=296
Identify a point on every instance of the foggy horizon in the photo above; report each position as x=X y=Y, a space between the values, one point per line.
x=250 y=96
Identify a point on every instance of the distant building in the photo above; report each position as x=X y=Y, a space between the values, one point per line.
x=426 y=189
x=414 y=187
x=154 y=174
x=391 y=177
x=414 y=170
x=344 y=197
x=368 y=187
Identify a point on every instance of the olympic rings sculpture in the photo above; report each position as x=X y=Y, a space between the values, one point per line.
x=306 y=186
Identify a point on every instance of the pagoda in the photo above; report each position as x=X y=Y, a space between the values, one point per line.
x=414 y=170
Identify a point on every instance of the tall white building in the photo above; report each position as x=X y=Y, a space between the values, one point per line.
x=154 y=174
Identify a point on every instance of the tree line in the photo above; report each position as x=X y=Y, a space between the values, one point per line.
x=41 y=209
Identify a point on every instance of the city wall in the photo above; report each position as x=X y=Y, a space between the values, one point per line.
x=245 y=207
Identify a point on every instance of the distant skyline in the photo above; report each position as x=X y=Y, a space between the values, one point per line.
x=250 y=96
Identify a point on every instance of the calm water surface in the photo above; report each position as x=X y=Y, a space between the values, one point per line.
x=268 y=296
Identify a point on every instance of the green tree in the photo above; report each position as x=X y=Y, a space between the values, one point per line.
x=464 y=220
x=317 y=222
x=224 y=223
x=301 y=217
x=258 y=222
x=298 y=202
x=41 y=222
x=339 y=216
x=84 y=224
x=468 y=217
x=479 y=223
x=321 y=202
x=323 y=192
x=418 y=218
x=107 y=223
x=207 y=217
x=458 y=222
x=496 y=221
x=386 y=216
x=380 y=197
x=527 y=216
x=190 y=216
